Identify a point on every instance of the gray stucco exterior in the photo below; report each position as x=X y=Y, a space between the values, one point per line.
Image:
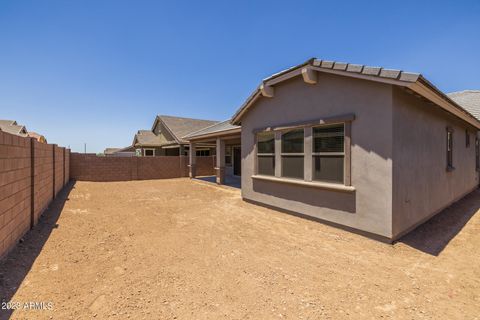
x=398 y=154
x=421 y=184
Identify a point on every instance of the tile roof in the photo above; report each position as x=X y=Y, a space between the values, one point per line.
x=359 y=69
x=216 y=128
x=181 y=127
x=12 y=127
x=469 y=100
x=395 y=76
x=37 y=136
x=111 y=150
x=148 y=138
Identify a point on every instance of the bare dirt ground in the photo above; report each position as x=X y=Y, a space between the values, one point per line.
x=181 y=249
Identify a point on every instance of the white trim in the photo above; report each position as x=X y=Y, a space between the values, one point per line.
x=312 y=184
x=145 y=149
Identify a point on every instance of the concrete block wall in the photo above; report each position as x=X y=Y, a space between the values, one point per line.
x=89 y=167
x=15 y=189
x=205 y=166
x=43 y=177
x=59 y=179
x=26 y=185
x=67 y=166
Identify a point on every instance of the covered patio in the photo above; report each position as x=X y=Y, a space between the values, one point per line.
x=228 y=158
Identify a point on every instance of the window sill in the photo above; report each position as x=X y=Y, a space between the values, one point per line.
x=312 y=184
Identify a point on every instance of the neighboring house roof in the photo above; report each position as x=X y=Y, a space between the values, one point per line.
x=12 y=127
x=111 y=150
x=179 y=127
x=223 y=127
x=149 y=139
x=413 y=81
x=468 y=99
x=39 y=137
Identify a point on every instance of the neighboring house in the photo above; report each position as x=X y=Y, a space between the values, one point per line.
x=166 y=137
x=37 y=136
x=119 y=152
x=11 y=126
x=374 y=150
x=110 y=151
x=469 y=100
x=230 y=144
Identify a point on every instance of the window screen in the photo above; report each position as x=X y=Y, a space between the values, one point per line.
x=449 y=149
x=292 y=154
x=328 y=153
x=266 y=153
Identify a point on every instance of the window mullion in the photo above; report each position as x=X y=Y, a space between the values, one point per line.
x=278 y=154
x=347 y=145
x=307 y=149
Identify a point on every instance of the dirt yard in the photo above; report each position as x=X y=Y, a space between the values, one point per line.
x=181 y=249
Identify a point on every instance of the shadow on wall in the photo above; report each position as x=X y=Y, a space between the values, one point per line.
x=16 y=265
x=434 y=235
x=344 y=201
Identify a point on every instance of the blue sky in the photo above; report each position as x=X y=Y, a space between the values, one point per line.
x=97 y=71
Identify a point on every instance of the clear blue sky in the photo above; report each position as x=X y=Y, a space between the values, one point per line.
x=97 y=71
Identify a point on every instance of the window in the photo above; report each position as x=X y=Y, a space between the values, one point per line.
x=328 y=153
x=292 y=154
x=449 y=149
x=203 y=153
x=314 y=153
x=477 y=154
x=266 y=153
x=149 y=152
x=467 y=139
x=228 y=156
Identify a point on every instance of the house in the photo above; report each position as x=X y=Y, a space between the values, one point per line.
x=373 y=150
x=226 y=138
x=11 y=126
x=40 y=138
x=469 y=100
x=119 y=152
x=165 y=138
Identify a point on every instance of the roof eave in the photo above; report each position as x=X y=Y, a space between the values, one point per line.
x=413 y=81
x=220 y=133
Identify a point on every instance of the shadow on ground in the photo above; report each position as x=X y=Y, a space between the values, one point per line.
x=234 y=182
x=16 y=265
x=433 y=236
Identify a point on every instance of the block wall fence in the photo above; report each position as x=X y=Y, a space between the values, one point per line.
x=90 y=167
x=31 y=175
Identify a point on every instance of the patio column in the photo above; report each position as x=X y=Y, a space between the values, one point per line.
x=220 y=165
x=192 y=164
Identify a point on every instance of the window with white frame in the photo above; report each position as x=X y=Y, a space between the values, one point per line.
x=228 y=156
x=266 y=153
x=203 y=153
x=328 y=153
x=293 y=153
x=149 y=152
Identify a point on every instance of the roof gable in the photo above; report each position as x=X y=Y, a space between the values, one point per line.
x=148 y=138
x=309 y=69
x=218 y=128
x=179 y=127
x=12 y=127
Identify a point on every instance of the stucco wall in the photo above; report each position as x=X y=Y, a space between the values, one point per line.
x=369 y=207
x=422 y=185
